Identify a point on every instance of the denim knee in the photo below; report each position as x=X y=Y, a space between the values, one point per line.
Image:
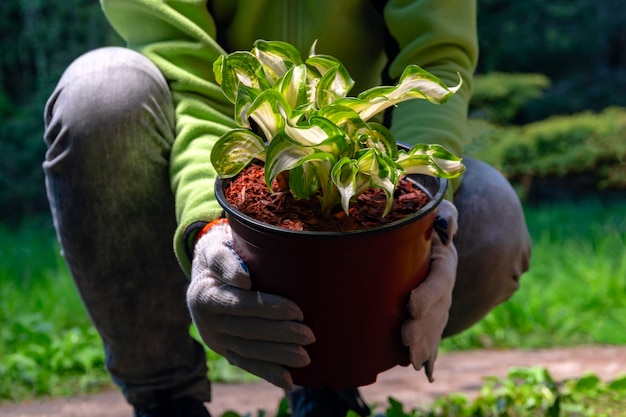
x=493 y=244
x=103 y=96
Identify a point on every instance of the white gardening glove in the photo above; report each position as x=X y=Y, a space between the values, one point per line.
x=261 y=333
x=429 y=303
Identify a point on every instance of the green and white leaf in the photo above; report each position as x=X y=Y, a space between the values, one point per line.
x=282 y=155
x=431 y=159
x=382 y=171
x=276 y=58
x=315 y=132
x=344 y=175
x=235 y=150
x=415 y=83
x=244 y=99
x=269 y=111
x=334 y=81
x=379 y=137
x=238 y=68
x=292 y=85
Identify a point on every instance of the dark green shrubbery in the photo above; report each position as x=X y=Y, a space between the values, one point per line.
x=560 y=156
x=580 y=45
x=498 y=97
x=22 y=191
x=586 y=145
x=38 y=40
x=586 y=91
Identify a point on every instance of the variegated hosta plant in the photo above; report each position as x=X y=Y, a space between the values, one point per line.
x=309 y=128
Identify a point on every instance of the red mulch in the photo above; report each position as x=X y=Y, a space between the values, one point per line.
x=248 y=193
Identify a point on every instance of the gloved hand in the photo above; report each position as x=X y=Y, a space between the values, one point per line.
x=429 y=303
x=261 y=333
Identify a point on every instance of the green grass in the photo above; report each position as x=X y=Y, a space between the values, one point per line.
x=573 y=294
x=574 y=291
x=47 y=345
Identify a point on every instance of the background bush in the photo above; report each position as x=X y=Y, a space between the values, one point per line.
x=578 y=44
x=38 y=40
x=562 y=155
x=500 y=97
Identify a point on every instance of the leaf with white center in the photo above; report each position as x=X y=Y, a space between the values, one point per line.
x=267 y=111
x=245 y=98
x=312 y=49
x=282 y=155
x=293 y=86
x=415 y=83
x=379 y=137
x=329 y=89
x=349 y=122
x=431 y=159
x=276 y=58
x=419 y=83
x=382 y=171
x=235 y=150
x=314 y=133
x=344 y=177
x=364 y=108
x=238 y=68
x=344 y=117
x=335 y=81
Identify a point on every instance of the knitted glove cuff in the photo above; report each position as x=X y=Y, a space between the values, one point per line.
x=208 y=227
x=195 y=232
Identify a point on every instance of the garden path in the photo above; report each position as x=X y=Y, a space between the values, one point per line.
x=461 y=372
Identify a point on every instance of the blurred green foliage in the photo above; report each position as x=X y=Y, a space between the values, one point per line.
x=580 y=45
x=500 y=97
x=38 y=40
x=581 y=153
x=47 y=343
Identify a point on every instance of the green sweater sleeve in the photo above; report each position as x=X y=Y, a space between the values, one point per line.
x=440 y=36
x=179 y=37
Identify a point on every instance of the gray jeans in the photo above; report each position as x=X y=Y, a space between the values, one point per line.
x=109 y=129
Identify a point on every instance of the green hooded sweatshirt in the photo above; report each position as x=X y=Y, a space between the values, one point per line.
x=375 y=39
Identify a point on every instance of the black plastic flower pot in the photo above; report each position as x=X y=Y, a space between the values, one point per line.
x=352 y=287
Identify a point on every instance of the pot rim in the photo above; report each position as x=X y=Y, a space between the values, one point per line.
x=435 y=200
